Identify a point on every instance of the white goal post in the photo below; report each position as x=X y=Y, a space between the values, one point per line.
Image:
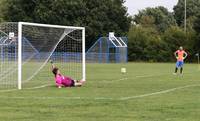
x=34 y=46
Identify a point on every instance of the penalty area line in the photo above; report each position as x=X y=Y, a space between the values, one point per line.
x=159 y=92
x=110 y=81
x=136 y=77
x=107 y=98
x=102 y=81
x=11 y=90
x=37 y=87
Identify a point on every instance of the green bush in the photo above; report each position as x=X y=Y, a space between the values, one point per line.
x=145 y=44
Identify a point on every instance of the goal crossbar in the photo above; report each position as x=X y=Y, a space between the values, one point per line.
x=51 y=26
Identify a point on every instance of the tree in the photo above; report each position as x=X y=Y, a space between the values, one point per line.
x=159 y=17
x=175 y=37
x=193 y=8
x=98 y=16
x=1 y=15
x=197 y=29
x=193 y=25
x=145 y=44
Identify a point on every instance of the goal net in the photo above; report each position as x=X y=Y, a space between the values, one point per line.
x=26 y=48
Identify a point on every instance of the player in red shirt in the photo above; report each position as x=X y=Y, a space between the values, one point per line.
x=180 y=55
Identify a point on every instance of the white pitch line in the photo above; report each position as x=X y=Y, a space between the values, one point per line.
x=38 y=87
x=144 y=76
x=110 y=81
x=8 y=90
x=65 y=98
x=136 y=77
x=106 y=98
x=159 y=92
x=103 y=81
x=42 y=98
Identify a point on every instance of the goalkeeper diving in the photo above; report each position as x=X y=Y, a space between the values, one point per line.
x=180 y=55
x=64 y=81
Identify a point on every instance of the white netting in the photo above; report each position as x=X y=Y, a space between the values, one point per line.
x=39 y=44
x=8 y=56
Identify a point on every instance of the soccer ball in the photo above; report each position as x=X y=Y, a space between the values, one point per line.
x=123 y=70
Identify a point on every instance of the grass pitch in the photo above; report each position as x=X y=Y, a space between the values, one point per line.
x=147 y=92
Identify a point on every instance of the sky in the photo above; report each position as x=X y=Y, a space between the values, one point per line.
x=135 y=5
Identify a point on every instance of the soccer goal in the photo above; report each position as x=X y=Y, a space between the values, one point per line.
x=26 y=48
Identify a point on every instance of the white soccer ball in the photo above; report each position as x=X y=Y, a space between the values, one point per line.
x=123 y=70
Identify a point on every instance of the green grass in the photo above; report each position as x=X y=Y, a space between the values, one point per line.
x=100 y=98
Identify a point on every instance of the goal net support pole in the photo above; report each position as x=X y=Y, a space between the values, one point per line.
x=19 y=84
x=83 y=56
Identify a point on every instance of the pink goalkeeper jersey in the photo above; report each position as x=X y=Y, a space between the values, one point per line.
x=63 y=81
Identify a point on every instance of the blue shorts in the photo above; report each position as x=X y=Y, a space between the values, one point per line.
x=179 y=64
